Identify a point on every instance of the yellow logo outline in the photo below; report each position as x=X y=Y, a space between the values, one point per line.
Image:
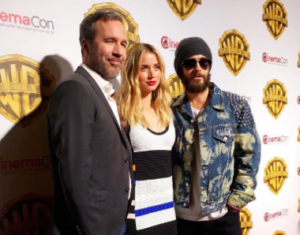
x=25 y=88
x=275 y=174
x=234 y=49
x=299 y=60
x=245 y=220
x=275 y=17
x=298 y=138
x=130 y=25
x=279 y=233
x=275 y=97
x=183 y=8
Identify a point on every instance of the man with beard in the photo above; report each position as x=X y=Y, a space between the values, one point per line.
x=217 y=150
x=91 y=156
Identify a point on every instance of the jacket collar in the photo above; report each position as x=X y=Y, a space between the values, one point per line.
x=216 y=101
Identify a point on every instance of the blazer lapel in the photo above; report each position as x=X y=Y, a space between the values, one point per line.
x=93 y=83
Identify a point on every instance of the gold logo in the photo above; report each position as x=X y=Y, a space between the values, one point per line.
x=299 y=205
x=275 y=97
x=245 y=219
x=299 y=60
x=175 y=85
x=275 y=174
x=275 y=17
x=234 y=49
x=298 y=134
x=25 y=86
x=279 y=233
x=130 y=26
x=28 y=213
x=183 y=8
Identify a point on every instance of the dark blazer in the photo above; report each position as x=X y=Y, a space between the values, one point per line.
x=91 y=158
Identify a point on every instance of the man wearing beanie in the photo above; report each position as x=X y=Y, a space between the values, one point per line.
x=217 y=150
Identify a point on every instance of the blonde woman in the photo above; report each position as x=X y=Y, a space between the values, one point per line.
x=144 y=104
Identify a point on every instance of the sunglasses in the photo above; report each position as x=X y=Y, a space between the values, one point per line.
x=191 y=63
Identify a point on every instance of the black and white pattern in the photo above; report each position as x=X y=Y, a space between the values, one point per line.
x=152 y=209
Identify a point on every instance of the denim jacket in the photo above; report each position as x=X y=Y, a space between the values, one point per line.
x=229 y=150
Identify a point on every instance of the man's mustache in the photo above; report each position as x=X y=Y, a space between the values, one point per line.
x=198 y=75
x=116 y=59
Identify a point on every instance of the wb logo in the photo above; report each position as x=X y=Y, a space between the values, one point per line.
x=183 y=8
x=130 y=25
x=275 y=17
x=275 y=97
x=25 y=85
x=234 y=50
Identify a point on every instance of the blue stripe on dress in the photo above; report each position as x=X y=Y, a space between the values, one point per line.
x=153 y=209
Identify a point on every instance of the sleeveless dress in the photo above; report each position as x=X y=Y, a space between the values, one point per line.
x=152 y=209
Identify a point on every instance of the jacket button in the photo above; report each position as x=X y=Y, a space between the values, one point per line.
x=192 y=120
x=127 y=190
x=225 y=138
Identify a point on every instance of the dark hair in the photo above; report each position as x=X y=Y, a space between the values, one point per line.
x=88 y=28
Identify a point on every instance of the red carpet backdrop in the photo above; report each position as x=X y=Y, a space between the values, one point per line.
x=256 y=54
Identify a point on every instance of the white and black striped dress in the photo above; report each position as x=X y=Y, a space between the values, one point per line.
x=152 y=210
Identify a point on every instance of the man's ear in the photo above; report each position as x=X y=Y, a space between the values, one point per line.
x=85 y=46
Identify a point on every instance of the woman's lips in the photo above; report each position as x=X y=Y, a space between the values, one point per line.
x=151 y=83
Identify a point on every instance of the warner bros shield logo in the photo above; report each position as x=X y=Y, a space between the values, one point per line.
x=28 y=214
x=275 y=97
x=279 y=233
x=175 y=85
x=246 y=221
x=25 y=88
x=130 y=25
x=275 y=17
x=234 y=49
x=183 y=8
x=275 y=174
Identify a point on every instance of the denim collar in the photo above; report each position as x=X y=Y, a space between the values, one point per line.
x=216 y=101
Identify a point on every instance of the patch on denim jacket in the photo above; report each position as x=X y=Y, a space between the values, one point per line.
x=241 y=109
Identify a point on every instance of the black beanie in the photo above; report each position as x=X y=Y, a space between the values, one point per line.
x=189 y=47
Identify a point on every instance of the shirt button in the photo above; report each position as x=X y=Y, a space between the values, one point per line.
x=186 y=184
x=225 y=138
x=192 y=120
x=184 y=204
x=127 y=190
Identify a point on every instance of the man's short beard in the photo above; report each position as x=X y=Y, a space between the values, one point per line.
x=100 y=67
x=193 y=86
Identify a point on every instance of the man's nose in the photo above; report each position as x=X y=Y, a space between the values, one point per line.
x=197 y=66
x=118 y=50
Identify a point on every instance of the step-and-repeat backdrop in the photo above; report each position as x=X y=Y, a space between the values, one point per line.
x=256 y=53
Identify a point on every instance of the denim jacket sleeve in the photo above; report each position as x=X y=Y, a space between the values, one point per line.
x=247 y=156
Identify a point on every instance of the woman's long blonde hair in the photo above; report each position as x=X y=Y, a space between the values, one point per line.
x=128 y=96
